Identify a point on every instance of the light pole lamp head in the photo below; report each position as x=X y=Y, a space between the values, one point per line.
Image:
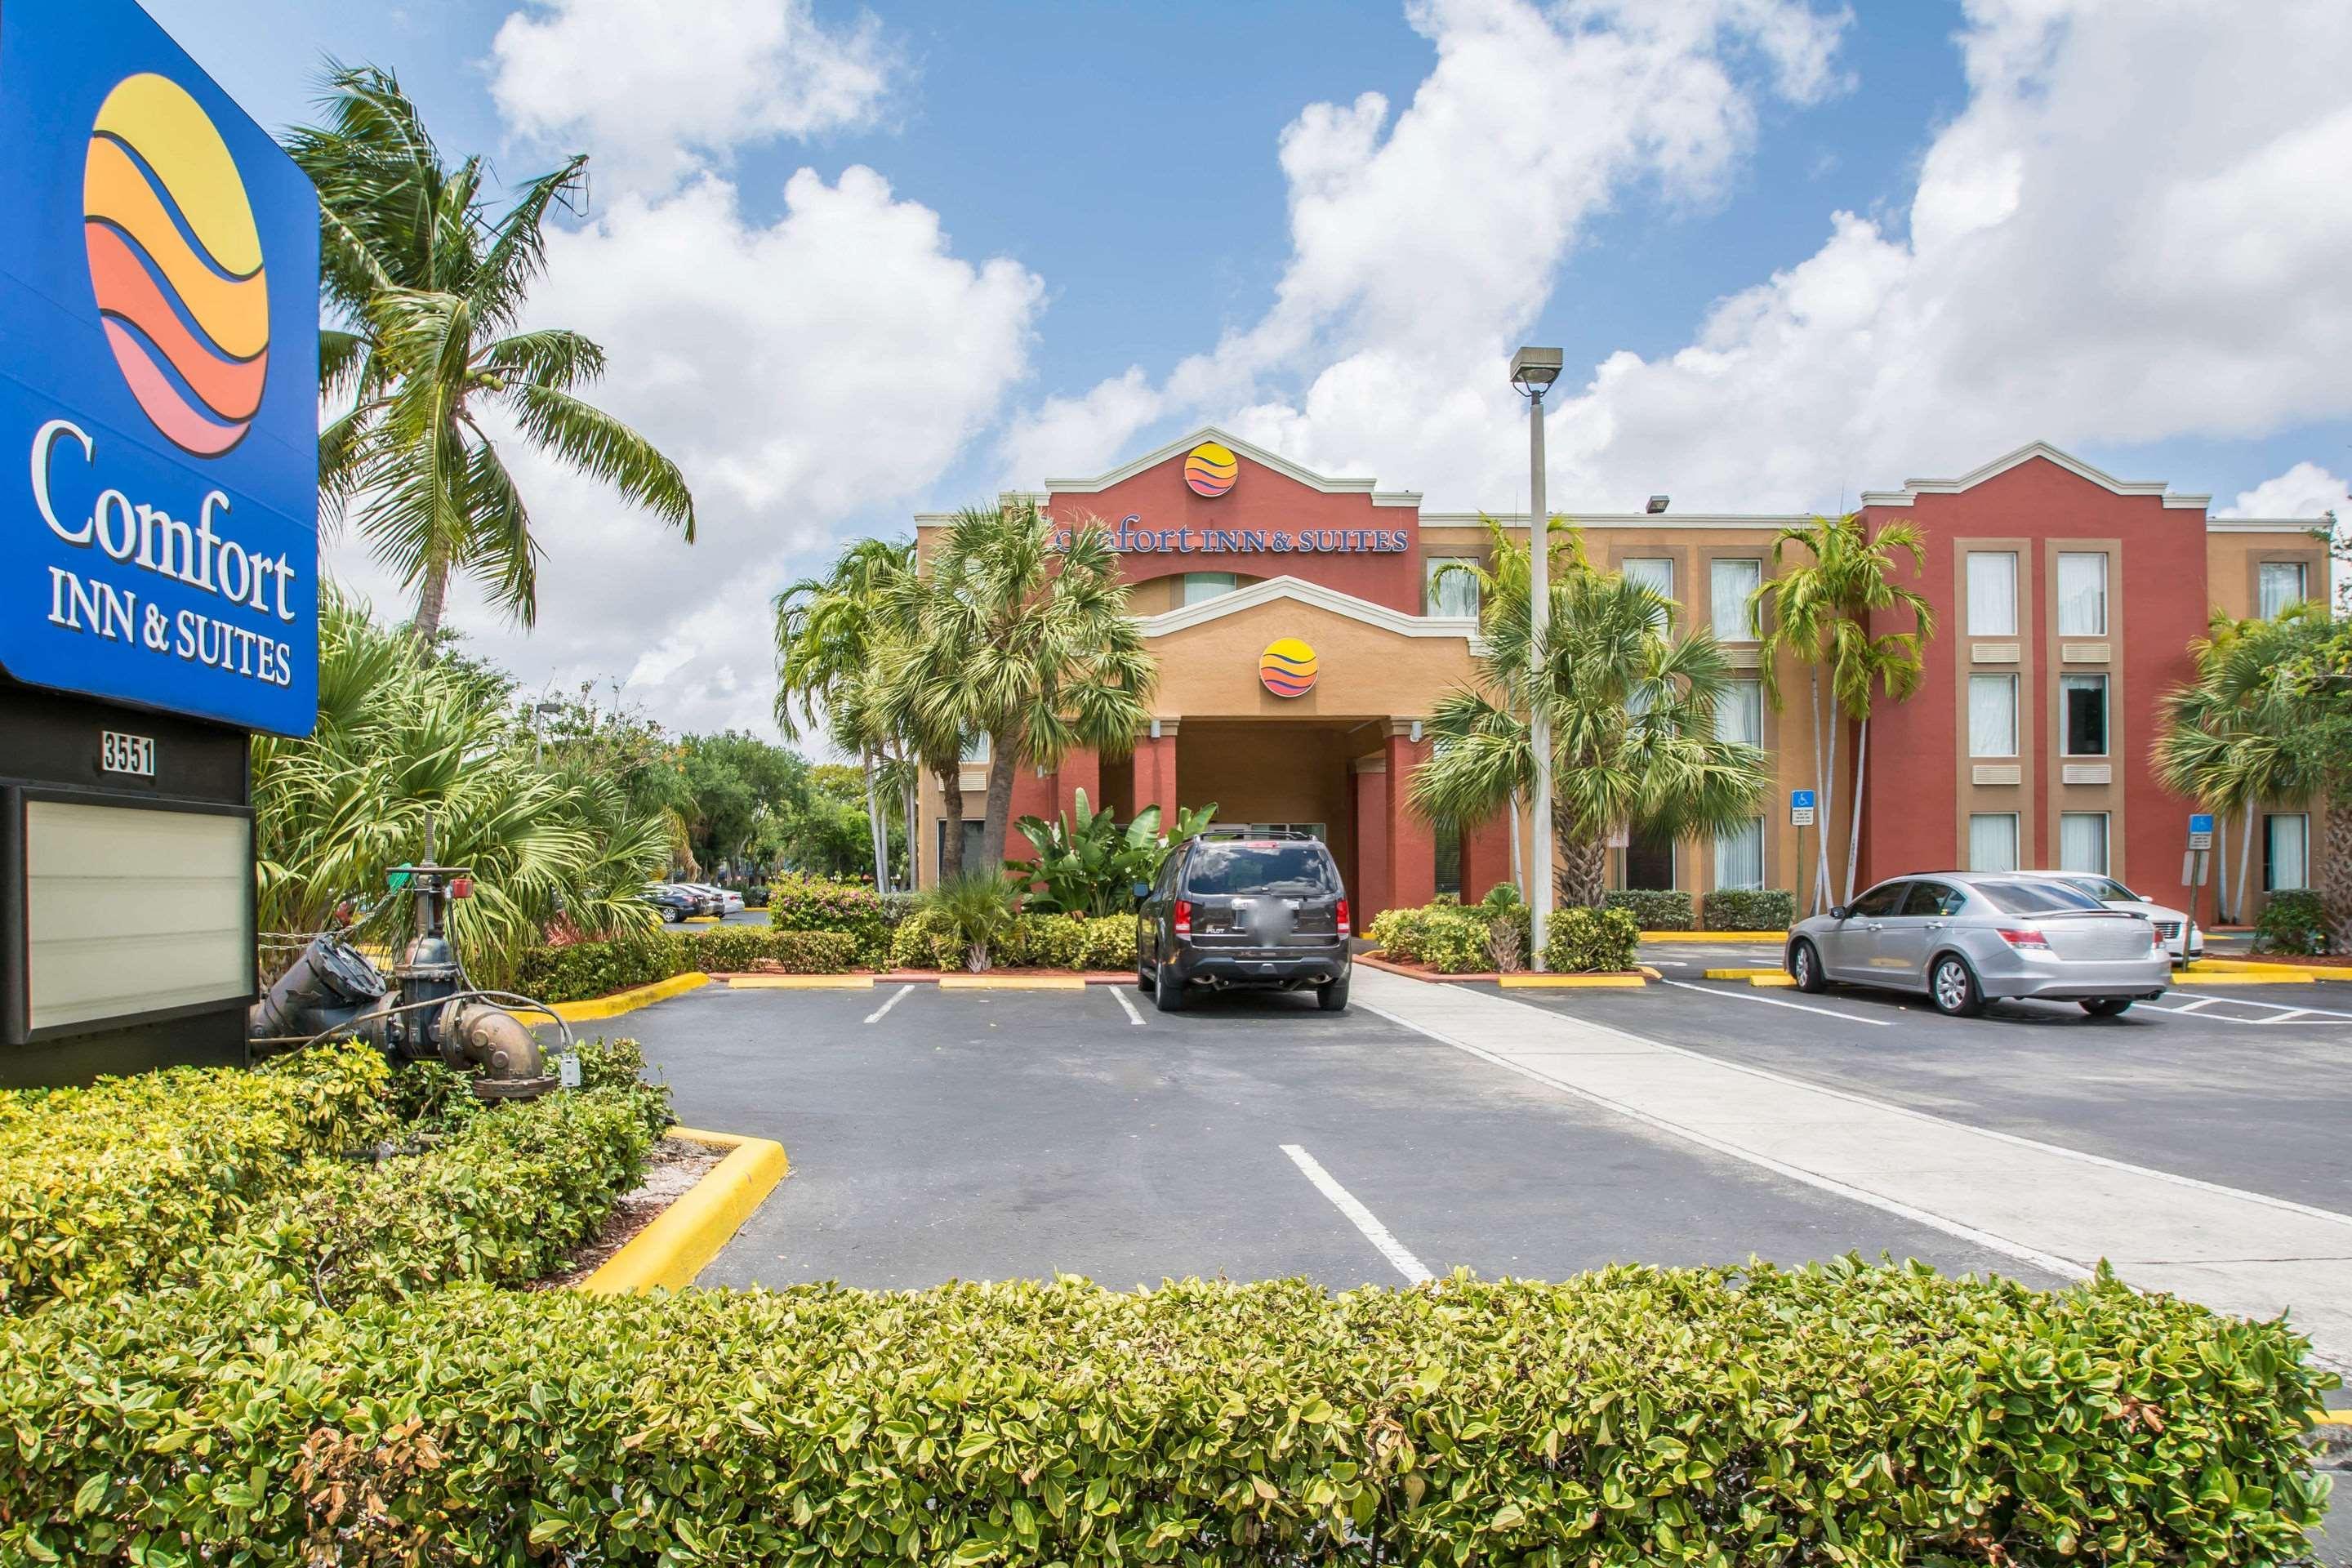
x=1534 y=369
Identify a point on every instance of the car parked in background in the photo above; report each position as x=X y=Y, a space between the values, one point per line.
x=728 y=900
x=1967 y=938
x=705 y=901
x=2183 y=938
x=1245 y=908
x=675 y=903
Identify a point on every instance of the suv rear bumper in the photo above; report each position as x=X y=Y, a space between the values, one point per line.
x=1314 y=966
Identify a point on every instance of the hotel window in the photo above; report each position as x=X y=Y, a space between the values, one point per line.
x=1740 y=856
x=1455 y=591
x=1993 y=715
x=1740 y=715
x=1650 y=860
x=1992 y=841
x=2282 y=584
x=1731 y=585
x=1449 y=856
x=1203 y=586
x=2081 y=594
x=1656 y=574
x=1992 y=594
x=975 y=750
x=2083 y=715
x=2286 y=846
x=2083 y=841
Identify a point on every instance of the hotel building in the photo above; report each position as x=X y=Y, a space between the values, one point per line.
x=2065 y=601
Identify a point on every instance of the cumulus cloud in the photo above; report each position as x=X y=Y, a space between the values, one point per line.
x=658 y=88
x=768 y=359
x=2083 y=259
x=2305 y=490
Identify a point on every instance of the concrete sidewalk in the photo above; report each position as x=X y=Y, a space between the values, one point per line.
x=2057 y=1209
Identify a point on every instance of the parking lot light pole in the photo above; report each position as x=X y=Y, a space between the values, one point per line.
x=1533 y=371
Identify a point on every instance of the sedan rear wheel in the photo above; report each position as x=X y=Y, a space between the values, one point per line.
x=1953 y=989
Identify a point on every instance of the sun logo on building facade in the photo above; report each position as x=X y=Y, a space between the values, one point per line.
x=1287 y=668
x=1211 y=468
x=176 y=263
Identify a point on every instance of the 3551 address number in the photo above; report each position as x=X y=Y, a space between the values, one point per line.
x=120 y=753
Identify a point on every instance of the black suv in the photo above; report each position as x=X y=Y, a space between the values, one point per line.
x=1236 y=908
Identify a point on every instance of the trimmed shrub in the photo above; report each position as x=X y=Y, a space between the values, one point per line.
x=1580 y=940
x=1652 y=908
x=1445 y=937
x=2292 y=920
x=110 y=1187
x=1749 y=909
x=1839 y=1413
x=853 y=909
x=735 y=948
x=587 y=969
x=1109 y=943
x=926 y=939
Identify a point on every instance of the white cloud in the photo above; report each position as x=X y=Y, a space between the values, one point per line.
x=2088 y=257
x=2305 y=490
x=658 y=86
x=771 y=361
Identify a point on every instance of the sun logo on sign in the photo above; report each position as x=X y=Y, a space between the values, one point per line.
x=1211 y=468
x=176 y=263
x=1287 y=668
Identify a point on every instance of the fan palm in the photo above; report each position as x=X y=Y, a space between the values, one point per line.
x=1631 y=708
x=1822 y=614
x=429 y=354
x=1023 y=635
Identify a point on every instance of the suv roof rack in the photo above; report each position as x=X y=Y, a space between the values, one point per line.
x=1230 y=831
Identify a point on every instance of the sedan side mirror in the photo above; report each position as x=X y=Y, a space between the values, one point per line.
x=1839 y=912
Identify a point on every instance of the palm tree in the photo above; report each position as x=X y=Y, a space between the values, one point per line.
x=1631 y=708
x=1821 y=613
x=1023 y=637
x=430 y=287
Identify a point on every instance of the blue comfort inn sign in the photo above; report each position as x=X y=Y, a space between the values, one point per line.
x=158 y=321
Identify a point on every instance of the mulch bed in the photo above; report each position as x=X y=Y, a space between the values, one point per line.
x=1422 y=971
x=671 y=1171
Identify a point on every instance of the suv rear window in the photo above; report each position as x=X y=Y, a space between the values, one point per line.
x=2035 y=898
x=1260 y=866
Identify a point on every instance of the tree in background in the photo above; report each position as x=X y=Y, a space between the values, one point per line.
x=585 y=740
x=428 y=286
x=742 y=789
x=1631 y=708
x=824 y=833
x=1818 y=614
x=1022 y=634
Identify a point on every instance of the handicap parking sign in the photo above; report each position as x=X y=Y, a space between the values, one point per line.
x=1800 y=807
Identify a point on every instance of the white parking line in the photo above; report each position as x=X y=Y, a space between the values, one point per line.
x=1360 y=1217
x=896 y=998
x=1777 y=1002
x=1119 y=994
x=2283 y=1011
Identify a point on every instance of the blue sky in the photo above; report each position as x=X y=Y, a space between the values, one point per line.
x=1127 y=220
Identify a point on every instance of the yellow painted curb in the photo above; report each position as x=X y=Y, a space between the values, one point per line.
x=684 y=1237
x=1714 y=936
x=1769 y=981
x=2205 y=967
x=1750 y=973
x=2334 y=1418
x=799 y=983
x=1013 y=983
x=702 y=920
x=1648 y=972
x=2193 y=978
x=1564 y=982
x=629 y=1001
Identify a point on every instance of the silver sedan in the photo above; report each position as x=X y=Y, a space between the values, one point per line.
x=1967 y=938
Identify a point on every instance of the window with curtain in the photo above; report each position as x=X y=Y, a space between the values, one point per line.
x=1993 y=715
x=2282 y=584
x=975 y=748
x=1200 y=586
x=1740 y=856
x=2083 y=841
x=2083 y=716
x=1650 y=860
x=2286 y=848
x=2081 y=594
x=1729 y=583
x=1740 y=715
x=1992 y=594
x=1454 y=593
x=1992 y=841
x=1656 y=574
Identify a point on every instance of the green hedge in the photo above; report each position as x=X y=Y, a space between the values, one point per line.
x=1839 y=1415
x=2293 y=921
x=1652 y=908
x=1580 y=940
x=1447 y=938
x=582 y=970
x=924 y=941
x=108 y=1187
x=1749 y=909
x=850 y=909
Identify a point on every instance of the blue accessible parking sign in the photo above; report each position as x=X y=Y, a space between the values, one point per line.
x=1800 y=807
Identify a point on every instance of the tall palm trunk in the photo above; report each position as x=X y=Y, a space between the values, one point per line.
x=432 y=599
x=2334 y=877
x=1821 y=797
x=1583 y=877
x=1518 y=859
x=2245 y=867
x=2221 y=872
x=1004 y=757
x=1853 y=833
x=911 y=813
x=877 y=832
x=950 y=776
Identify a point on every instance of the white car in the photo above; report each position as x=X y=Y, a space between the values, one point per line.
x=731 y=901
x=2184 y=939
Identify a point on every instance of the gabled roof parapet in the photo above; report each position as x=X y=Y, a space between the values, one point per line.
x=1299 y=590
x=1255 y=454
x=1913 y=489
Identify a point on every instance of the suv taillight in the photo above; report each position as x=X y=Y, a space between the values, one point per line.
x=1183 y=917
x=1341 y=915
